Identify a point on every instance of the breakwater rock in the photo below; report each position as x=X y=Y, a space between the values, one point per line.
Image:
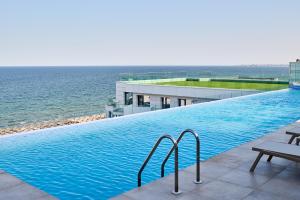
x=49 y=124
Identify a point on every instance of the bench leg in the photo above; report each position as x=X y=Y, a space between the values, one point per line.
x=270 y=158
x=292 y=139
x=256 y=162
x=297 y=141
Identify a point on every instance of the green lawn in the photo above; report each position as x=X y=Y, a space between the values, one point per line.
x=228 y=85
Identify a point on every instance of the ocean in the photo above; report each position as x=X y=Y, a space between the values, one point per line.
x=37 y=94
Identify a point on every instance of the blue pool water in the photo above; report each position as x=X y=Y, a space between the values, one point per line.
x=101 y=159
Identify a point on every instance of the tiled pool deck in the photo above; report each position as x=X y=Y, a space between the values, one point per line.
x=11 y=188
x=227 y=176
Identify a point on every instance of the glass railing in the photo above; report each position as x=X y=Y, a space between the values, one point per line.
x=163 y=75
x=197 y=74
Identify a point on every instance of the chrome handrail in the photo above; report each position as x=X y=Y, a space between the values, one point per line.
x=197 y=181
x=175 y=146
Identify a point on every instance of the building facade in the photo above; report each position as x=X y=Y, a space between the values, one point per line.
x=135 y=97
x=294 y=72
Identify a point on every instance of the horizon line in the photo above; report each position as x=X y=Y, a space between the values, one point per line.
x=235 y=65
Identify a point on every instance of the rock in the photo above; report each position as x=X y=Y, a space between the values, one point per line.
x=48 y=124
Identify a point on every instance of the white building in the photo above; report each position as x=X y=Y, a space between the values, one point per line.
x=294 y=72
x=141 y=96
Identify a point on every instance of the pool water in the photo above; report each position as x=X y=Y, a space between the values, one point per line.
x=101 y=159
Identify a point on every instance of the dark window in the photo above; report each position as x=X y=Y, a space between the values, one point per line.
x=165 y=102
x=181 y=102
x=128 y=98
x=143 y=101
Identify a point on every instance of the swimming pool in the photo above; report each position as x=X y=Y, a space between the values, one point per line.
x=101 y=159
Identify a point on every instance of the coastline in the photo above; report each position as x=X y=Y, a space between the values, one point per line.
x=90 y=118
x=50 y=124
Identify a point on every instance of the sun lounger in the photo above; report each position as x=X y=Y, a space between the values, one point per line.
x=280 y=150
x=294 y=132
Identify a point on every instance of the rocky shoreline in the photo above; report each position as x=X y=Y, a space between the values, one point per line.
x=49 y=124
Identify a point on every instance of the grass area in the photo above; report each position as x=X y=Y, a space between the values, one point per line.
x=228 y=85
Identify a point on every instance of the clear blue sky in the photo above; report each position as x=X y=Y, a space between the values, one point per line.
x=149 y=32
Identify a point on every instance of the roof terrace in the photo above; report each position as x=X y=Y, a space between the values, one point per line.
x=247 y=84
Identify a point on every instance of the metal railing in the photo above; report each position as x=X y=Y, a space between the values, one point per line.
x=174 y=148
x=198 y=181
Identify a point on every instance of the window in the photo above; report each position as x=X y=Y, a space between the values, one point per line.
x=165 y=102
x=181 y=102
x=143 y=100
x=128 y=98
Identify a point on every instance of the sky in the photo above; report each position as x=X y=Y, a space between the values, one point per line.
x=148 y=32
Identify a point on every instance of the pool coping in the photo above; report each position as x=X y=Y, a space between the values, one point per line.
x=14 y=189
x=227 y=176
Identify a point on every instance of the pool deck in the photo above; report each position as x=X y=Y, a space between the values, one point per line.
x=227 y=176
x=13 y=188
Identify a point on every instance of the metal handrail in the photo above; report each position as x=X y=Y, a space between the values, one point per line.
x=197 y=181
x=175 y=146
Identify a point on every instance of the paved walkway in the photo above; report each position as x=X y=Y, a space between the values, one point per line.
x=11 y=188
x=227 y=176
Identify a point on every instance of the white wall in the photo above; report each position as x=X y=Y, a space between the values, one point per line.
x=174 y=92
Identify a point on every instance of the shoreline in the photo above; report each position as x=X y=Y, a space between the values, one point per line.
x=50 y=124
x=89 y=118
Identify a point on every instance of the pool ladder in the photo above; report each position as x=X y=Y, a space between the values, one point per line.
x=175 y=150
